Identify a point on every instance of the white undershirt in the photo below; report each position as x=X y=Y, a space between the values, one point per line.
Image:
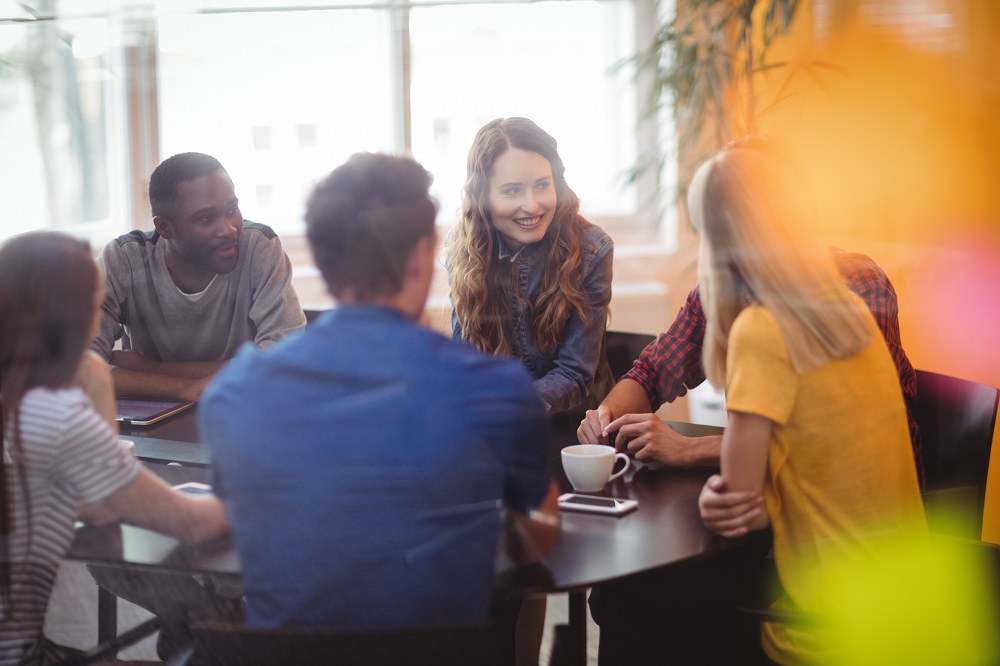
x=194 y=298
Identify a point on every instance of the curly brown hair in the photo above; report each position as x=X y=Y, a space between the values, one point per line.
x=479 y=280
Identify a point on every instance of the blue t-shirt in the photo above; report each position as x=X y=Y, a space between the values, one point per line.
x=364 y=463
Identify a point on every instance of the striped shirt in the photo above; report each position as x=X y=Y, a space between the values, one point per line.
x=671 y=364
x=68 y=455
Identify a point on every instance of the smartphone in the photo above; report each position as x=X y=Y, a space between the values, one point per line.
x=194 y=488
x=611 y=506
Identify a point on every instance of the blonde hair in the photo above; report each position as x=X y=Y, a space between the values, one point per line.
x=480 y=282
x=750 y=212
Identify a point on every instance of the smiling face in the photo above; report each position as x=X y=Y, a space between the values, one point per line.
x=204 y=234
x=522 y=198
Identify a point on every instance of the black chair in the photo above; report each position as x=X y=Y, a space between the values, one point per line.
x=238 y=645
x=956 y=419
x=311 y=315
x=624 y=348
x=108 y=649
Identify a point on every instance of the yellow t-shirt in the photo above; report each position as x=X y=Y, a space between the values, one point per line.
x=840 y=466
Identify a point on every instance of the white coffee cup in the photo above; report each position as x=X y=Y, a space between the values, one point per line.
x=588 y=466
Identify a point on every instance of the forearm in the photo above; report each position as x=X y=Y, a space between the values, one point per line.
x=183 y=369
x=154 y=386
x=702 y=451
x=627 y=397
x=744 y=454
x=149 y=502
x=531 y=536
x=95 y=514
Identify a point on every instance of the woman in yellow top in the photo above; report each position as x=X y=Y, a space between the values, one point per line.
x=817 y=422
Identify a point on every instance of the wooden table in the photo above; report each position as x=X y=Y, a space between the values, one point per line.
x=665 y=530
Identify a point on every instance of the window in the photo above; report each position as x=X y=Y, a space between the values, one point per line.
x=91 y=101
x=550 y=62
x=280 y=98
x=59 y=102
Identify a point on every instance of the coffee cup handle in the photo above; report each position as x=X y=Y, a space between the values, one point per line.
x=628 y=462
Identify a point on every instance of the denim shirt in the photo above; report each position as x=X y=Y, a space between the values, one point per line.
x=576 y=376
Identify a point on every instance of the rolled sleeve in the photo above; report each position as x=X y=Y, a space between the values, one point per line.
x=671 y=365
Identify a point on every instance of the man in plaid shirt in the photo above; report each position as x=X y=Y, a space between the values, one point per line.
x=671 y=365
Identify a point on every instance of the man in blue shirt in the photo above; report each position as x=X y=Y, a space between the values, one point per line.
x=370 y=466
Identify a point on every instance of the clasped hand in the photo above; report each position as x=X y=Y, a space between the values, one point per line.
x=644 y=436
x=729 y=513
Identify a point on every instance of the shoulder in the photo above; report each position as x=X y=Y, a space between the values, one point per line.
x=755 y=325
x=597 y=250
x=595 y=238
x=127 y=253
x=131 y=244
x=261 y=245
x=136 y=238
x=48 y=414
x=258 y=231
x=50 y=404
x=858 y=270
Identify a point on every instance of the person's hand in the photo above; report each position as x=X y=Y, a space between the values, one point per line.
x=726 y=513
x=591 y=430
x=648 y=438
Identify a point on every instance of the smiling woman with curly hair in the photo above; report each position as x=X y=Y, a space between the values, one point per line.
x=531 y=277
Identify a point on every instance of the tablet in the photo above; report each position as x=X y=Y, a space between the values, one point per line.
x=146 y=412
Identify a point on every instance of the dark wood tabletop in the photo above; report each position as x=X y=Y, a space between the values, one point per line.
x=591 y=548
x=665 y=530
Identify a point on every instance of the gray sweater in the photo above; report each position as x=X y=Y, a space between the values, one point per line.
x=142 y=305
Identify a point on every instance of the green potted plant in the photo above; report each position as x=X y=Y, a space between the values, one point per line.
x=704 y=66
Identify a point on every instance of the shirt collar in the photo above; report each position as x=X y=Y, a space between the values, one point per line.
x=528 y=254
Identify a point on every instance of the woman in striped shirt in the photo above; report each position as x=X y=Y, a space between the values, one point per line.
x=60 y=442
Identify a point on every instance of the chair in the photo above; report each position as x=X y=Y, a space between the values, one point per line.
x=217 y=644
x=107 y=650
x=623 y=348
x=311 y=315
x=956 y=419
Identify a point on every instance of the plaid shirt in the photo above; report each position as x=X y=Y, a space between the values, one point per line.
x=671 y=364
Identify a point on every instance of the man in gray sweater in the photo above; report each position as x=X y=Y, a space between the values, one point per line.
x=184 y=297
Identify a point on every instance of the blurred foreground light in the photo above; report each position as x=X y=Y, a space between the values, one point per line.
x=919 y=603
x=957 y=304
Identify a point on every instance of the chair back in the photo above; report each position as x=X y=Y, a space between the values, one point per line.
x=956 y=419
x=311 y=315
x=218 y=644
x=624 y=348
